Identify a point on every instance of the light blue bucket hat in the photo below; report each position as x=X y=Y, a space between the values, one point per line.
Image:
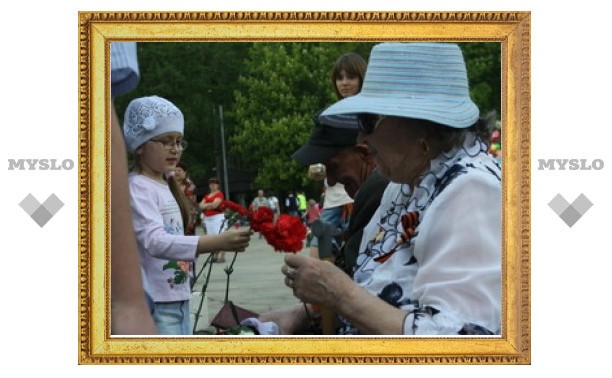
x=414 y=80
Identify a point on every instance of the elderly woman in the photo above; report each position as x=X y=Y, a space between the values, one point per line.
x=430 y=259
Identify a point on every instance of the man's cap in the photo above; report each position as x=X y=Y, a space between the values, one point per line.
x=326 y=141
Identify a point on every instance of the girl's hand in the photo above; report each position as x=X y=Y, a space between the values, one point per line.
x=236 y=240
x=231 y=240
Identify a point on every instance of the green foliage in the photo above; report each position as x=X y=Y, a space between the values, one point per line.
x=282 y=86
x=483 y=61
x=197 y=78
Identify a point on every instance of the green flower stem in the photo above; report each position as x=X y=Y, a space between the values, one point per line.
x=207 y=261
x=228 y=271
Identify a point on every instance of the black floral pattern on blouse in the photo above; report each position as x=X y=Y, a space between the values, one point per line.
x=412 y=261
x=392 y=294
x=474 y=329
x=449 y=176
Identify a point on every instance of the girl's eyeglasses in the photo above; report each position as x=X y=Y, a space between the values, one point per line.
x=171 y=144
x=367 y=122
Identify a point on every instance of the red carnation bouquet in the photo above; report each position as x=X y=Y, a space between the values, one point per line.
x=285 y=235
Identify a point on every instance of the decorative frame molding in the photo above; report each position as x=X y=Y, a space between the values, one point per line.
x=98 y=29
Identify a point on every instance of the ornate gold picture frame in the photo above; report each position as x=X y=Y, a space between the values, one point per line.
x=98 y=29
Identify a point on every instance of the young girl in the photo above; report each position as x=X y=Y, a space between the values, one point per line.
x=153 y=130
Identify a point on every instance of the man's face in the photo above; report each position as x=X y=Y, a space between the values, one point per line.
x=349 y=167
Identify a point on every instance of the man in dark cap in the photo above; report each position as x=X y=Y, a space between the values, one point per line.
x=333 y=143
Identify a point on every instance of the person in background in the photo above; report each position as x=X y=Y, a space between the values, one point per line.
x=347 y=79
x=302 y=203
x=274 y=204
x=130 y=314
x=313 y=212
x=214 y=216
x=259 y=201
x=153 y=131
x=291 y=204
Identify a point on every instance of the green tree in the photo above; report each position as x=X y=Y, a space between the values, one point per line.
x=197 y=78
x=483 y=61
x=282 y=86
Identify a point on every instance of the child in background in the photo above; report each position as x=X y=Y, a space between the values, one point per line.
x=153 y=131
x=313 y=212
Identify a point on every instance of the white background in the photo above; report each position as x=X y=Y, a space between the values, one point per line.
x=570 y=119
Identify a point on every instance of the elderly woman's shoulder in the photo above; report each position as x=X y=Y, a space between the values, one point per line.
x=479 y=170
x=473 y=183
x=484 y=173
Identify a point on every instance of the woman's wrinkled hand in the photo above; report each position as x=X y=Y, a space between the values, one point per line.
x=315 y=281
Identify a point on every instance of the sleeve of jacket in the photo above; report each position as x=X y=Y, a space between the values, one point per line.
x=459 y=250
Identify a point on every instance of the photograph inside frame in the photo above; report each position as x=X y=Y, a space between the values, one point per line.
x=308 y=190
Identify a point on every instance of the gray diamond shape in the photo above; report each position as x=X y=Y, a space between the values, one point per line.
x=53 y=204
x=570 y=216
x=29 y=204
x=582 y=204
x=41 y=216
x=558 y=204
x=41 y=213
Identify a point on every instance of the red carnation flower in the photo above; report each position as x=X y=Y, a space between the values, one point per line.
x=261 y=216
x=286 y=235
x=234 y=207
